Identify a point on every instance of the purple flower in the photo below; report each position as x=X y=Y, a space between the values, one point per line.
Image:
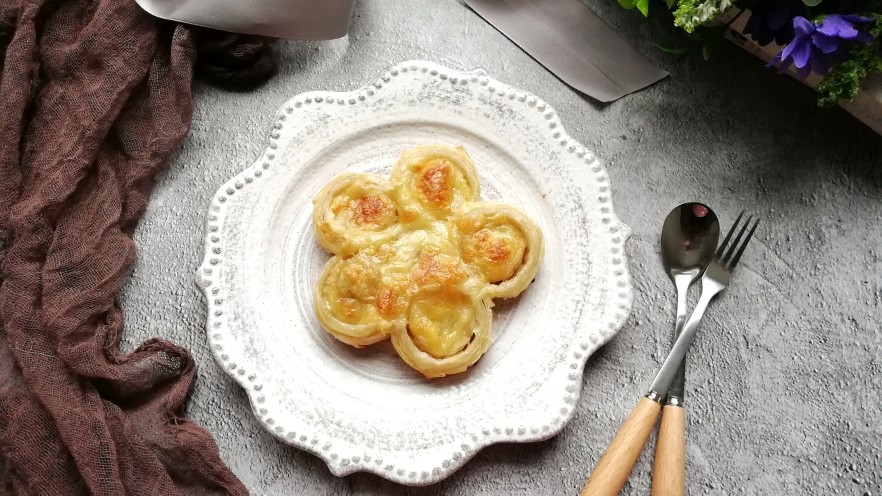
x=843 y=26
x=816 y=47
x=771 y=21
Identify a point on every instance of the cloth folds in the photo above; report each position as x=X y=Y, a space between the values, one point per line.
x=95 y=96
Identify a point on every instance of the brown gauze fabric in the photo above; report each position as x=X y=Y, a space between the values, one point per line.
x=95 y=96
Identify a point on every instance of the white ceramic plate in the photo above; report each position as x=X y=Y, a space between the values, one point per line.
x=365 y=410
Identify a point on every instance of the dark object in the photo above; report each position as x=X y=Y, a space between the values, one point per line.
x=234 y=61
x=94 y=98
x=569 y=40
x=772 y=21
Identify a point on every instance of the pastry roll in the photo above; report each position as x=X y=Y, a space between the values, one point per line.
x=502 y=244
x=354 y=211
x=356 y=304
x=433 y=180
x=447 y=331
x=419 y=259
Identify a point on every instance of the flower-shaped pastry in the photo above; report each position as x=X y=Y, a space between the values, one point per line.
x=419 y=259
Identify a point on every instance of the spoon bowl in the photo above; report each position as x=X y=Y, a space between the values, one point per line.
x=689 y=239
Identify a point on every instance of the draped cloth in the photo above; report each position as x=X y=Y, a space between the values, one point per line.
x=95 y=96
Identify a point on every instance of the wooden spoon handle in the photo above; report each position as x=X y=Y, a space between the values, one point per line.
x=669 y=472
x=615 y=465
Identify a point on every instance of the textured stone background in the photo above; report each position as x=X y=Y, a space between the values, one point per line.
x=785 y=381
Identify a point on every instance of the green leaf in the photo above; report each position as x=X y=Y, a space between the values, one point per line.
x=628 y=4
x=673 y=50
x=671 y=3
x=643 y=7
x=812 y=3
x=844 y=80
x=706 y=51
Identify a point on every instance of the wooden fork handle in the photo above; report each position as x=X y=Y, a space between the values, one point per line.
x=669 y=471
x=615 y=465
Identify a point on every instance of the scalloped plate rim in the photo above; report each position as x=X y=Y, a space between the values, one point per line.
x=437 y=474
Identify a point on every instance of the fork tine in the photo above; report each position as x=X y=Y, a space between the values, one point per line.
x=725 y=242
x=737 y=239
x=735 y=260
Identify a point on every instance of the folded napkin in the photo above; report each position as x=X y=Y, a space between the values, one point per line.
x=569 y=40
x=300 y=19
x=94 y=98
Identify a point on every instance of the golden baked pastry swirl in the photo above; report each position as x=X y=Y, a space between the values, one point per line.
x=346 y=302
x=447 y=331
x=503 y=244
x=419 y=259
x=432 y=181
x=355 y=211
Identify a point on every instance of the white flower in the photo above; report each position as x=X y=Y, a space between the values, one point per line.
x=691 y=13
x=706 y=11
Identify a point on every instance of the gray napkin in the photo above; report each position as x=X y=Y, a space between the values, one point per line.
x=569 y=40
x=300 y=19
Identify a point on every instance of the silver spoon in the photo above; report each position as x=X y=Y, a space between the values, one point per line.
x=689 y=238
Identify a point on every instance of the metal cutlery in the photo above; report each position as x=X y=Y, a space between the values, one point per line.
x=689 y=237
x=614 y=467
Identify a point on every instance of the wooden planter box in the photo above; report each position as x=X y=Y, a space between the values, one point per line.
x=867 y=106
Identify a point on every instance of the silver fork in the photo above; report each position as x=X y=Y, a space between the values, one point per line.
x=715 y=280
x=614 y=467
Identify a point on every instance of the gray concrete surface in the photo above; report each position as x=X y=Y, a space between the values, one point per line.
x=785 y=382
